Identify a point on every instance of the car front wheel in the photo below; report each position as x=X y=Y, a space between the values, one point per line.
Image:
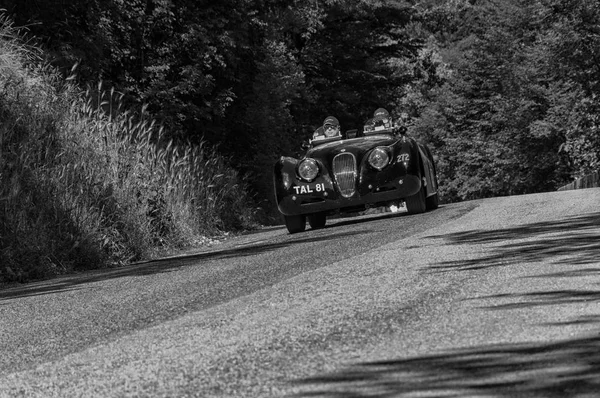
x=415 y=204
x=432 y=202
x=317 y=220
x=295 y=224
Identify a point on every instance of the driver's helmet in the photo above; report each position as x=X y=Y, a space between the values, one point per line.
x=331 y=127
x=381 y=117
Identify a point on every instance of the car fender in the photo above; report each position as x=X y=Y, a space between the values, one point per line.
x=284 y=173
x=428 y=171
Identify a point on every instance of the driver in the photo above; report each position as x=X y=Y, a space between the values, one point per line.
x=330 y=128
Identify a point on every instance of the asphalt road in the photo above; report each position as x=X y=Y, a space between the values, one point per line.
x=489 y=298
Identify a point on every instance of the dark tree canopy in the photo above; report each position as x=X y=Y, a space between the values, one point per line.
x=506 y=93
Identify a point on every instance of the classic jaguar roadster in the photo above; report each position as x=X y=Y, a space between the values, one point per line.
x=382 y=166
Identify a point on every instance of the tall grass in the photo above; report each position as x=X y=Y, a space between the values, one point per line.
x=87 y=184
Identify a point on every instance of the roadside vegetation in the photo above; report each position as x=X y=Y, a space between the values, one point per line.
x=198 y=99
x=85 y=183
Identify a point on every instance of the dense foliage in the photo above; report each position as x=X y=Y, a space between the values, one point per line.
x=505 y=93
x=85 y=184
x=515 y=113
x=488 y=83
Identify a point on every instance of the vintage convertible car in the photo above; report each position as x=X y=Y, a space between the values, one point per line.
x=381 y=166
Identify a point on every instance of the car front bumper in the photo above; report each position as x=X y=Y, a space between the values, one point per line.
x=328 y=199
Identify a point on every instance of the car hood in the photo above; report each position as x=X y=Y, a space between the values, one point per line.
x=356 y=146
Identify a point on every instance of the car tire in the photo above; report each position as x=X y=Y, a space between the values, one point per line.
x=415 y=204
x=432 y=202
x=317 y=220
x=295 y=224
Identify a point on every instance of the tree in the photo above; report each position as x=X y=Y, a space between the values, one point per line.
x=566 y=51
x=492 y=112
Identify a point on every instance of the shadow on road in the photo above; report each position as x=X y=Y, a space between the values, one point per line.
x=563 y=369
x=332 y=235
x=572 y=241
x=559 y=369
x=338 y=233
x=167 y=265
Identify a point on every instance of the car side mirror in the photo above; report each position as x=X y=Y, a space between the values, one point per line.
x=351 y=133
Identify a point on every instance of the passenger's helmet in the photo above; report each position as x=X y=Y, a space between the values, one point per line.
x=381 y=113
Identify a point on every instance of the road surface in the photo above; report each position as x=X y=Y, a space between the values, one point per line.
x=496 y=297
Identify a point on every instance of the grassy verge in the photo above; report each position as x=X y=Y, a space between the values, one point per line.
x=85 y=184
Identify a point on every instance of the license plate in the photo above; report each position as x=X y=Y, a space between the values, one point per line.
x=309 y=188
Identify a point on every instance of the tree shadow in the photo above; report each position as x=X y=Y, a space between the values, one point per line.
x=572 y=241
x=332 y=233
x=537 y=299
x=165 y=265
x=562 y=369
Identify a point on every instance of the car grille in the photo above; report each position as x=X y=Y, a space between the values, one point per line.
x=344 y=171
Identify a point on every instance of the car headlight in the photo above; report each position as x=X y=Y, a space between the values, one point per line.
x=308 y=169
x=379 y=158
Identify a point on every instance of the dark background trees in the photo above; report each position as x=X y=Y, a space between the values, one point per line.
x=504 y=92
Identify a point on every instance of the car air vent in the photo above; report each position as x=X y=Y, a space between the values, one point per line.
x=344 y=171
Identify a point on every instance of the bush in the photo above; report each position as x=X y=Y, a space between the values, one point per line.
x=85 y=184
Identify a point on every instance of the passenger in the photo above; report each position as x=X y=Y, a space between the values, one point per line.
x=383 y=121
x=381 y=117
